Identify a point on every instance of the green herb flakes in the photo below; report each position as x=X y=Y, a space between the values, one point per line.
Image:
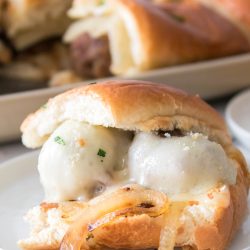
x=59 y=140
x=101 y=152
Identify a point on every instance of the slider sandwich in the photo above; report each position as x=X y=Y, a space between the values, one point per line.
x=30 y=39
x=124 y=37
x=134 y=165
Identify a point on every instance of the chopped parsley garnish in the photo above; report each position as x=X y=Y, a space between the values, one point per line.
x=101 y=152
x=59 y=140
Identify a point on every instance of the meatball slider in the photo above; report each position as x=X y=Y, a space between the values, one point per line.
x=124 y=37
x=30 y=21
x=30 y=47
x=134 y=165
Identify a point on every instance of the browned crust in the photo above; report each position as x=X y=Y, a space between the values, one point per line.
x=138 y=105
x=238 y=10
x=183 y=32
x=227 y=221
x=146 y=99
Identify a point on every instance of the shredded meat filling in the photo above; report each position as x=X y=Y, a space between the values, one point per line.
x=90 y=56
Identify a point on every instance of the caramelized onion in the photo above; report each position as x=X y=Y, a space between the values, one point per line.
x=132 y=199
x=171 y=224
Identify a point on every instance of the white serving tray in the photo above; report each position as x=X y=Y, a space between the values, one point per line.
x=209 y=79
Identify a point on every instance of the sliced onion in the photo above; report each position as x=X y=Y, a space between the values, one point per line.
x=171 y=224
x=132 y=199
x=124 y=212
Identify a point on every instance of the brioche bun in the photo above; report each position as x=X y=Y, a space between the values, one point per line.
x=141 y=106
x=129 y=105
x=146 y=34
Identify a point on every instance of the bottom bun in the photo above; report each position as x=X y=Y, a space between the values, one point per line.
x=207 y=222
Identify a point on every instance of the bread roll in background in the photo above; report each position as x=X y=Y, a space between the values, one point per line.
x=27 y=22
x=145 y=34
x=121 y=37
x=31 y=50
x=236 y=11
x=208 y=221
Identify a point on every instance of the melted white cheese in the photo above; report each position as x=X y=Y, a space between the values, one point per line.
x=179 y=165
x=80 y=161
x=70 y=166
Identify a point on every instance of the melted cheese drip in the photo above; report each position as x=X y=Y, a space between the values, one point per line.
x=79 y=161
x=182 y=167
x=179 y=166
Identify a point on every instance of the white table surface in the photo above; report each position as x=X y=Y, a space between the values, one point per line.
x=14 y=149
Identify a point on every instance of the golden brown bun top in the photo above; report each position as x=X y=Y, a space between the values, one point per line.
x=237 y=11
x=165 y=31
x=129 y=105
x=145 y=35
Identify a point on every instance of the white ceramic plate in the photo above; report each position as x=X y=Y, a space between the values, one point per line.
x=208 y=79
x=20 y=190
x=238 y=117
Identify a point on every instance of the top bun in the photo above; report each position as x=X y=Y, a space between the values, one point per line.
x=236 y=11
x=129 y=105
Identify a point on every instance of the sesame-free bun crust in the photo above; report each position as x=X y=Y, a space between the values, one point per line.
x=176 y=33
x=147 y=34
x=238 y=12
x=143 y=106
x=129 y=105
x=171 y=33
